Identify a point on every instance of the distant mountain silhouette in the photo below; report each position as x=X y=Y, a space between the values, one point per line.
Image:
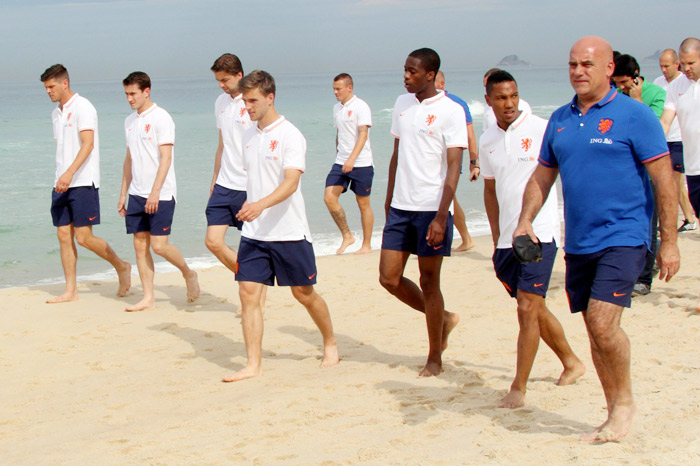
x=655 y=56
x=512 y=60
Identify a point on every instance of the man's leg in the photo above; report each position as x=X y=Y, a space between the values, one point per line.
x=88 y=240
x=331 y=196
x=434 y=311
x=460 y=220
x=252 y=323
x=391 y=267
x=69 y=259
x=216 y=243
x=172 y=254
x=610 y=349
x=552 y=333
x=144 y=262
x=318 y=310
x=683 y=200
x=367 y=218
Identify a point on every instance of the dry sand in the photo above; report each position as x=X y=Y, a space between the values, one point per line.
x=87 y=383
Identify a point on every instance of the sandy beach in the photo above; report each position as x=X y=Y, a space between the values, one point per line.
x=87 y=383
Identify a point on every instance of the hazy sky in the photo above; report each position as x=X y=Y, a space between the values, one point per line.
x=106 y=39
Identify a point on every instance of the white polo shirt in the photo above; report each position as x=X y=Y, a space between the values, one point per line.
x=77 y=115
x=683 y=96
x=490 y=117
x=267 y=154
x=674 y=131
x=510 y=157
x=232 y=119
x=145 y=133
x=425 y=131
x=348 y=118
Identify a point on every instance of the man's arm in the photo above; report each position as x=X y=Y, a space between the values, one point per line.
x=166 y=157
x=536 y=193
x=252 y=210
x=217 y=162
x=436 y=230
x=392 y=177
x=492 y=209
x=668 y=257
x=667 y=118
x=474 y=169
x=362 y=135
x=126 y=181
x=87 y=142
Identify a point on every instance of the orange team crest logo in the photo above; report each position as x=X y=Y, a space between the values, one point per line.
x=526 y=144
x=430 y=120
x=604 y=125
x=273 y=146
x=147 y=128
x=349 y=113
x=242 y=111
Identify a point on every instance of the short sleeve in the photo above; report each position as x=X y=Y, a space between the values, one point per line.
x=547 y=156
x=294 y=150
x=364 y=114
x=85 y=116
x=165 y=130
x=395 y=119
x=454 y=130
x=648 y=141
x=484 y=160
x=468 y=114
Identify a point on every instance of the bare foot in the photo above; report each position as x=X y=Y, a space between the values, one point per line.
x=618 y=425
x=363 y=250
x=570 y=374
x=64 y=298
x=245 y=373
x=192 y=287
x=449 y=322
x=124 y=280
x=593 y=436
x=144 y=304
x=346 y=242
x=330 y=356
x=431 y=369
x=465 y=246
x=514 y=399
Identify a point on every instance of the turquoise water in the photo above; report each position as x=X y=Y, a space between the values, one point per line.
x=29 y=252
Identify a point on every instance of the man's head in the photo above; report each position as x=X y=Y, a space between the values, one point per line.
x=626 y=72
x=258 y=89
x=669 y=64
x=420 y=69
x=502 y=95
x=489 y=73
x=689 y=55
x=137 y=87
x=228 y=71
x=342 y=87
x=57 y=82
x=440 y=81
x=590 y=68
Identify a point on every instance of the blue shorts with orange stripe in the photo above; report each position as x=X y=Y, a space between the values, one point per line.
x=608 y=275
x=532 y=277
x=292 y=263
x=407 y=231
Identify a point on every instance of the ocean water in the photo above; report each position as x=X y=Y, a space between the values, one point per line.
x=29 y=251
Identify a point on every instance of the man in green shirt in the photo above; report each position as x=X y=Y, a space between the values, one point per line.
x=628 y=81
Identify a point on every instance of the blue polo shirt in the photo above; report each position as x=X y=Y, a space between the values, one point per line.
x=464 y=105
x=600 y=156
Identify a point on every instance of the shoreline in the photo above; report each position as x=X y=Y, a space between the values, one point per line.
x=145 y=387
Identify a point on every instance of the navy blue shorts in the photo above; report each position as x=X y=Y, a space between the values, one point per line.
x=79 y=206
x=533 y=277
x=608 y=275
x=406 y=231
x=157 y=224
x=359 y=179
x=676 y=151
x=292 y=262
x=694 y=192
x=223 y=206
